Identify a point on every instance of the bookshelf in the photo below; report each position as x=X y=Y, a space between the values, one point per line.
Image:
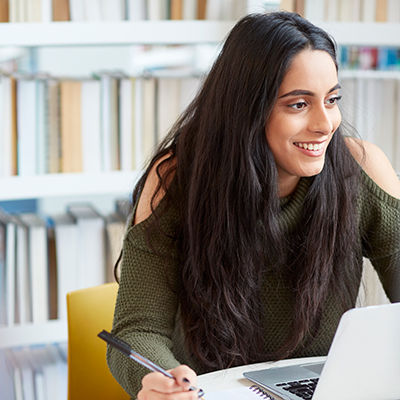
x=113 y=33
x=53 y=331
x=142 y=32
x=126 y=33
x=66 y=184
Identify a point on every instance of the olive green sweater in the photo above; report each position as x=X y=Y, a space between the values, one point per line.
x=147 y=309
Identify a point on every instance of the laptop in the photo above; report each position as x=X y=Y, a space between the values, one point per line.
x=363 y=362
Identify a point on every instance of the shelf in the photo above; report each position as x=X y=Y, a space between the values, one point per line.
x=369 y=74
x=55 y=185
x=172 y=32
x=363 y=33
x=112 y=33
x=54 y=331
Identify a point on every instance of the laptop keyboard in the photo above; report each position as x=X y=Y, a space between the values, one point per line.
x=303 y=388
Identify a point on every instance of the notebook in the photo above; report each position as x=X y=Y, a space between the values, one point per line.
x=243 y=393
x=363 y=362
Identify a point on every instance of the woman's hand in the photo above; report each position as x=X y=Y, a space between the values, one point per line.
x=156 y=386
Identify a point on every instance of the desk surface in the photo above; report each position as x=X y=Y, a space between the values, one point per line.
x=233 y=377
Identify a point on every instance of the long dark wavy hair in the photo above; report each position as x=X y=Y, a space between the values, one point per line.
x=226 y=182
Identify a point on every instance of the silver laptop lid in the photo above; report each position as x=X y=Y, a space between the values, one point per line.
x=363 y=362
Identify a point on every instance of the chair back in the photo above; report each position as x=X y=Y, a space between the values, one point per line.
x=89 y=312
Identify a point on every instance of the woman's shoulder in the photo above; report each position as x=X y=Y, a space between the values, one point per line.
x=147 y=203
x=376 y=165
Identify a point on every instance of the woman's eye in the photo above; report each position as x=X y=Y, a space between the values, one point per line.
x=333 y=100
x=298 y=106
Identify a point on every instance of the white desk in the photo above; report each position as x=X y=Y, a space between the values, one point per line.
x=233 y=377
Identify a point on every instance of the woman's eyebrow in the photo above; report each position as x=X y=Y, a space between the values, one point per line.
x=302 y=92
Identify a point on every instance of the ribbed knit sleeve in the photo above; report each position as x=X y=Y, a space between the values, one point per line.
x=380 y=225
x=147 y=300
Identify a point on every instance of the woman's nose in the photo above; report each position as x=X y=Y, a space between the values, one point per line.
x=321 y=120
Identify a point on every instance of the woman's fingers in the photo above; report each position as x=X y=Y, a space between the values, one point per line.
x=156 y=386
x=185 y=377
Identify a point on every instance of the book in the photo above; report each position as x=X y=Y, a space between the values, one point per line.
x=314 y=10
x=23 y=289
x=156 y=10
x=71 y=136
x=90 y=126
x=45 y=7
x=25 y=367
x=149 y=132
x=126 y=123
x=288 y=5
x=12 y=9
x=189 y=87
x=115 y=230
x=93 y=10
x=345 y=10
x=138 y=122
x=66 y=240
x=4 y=12
x=53 y=131
x=355 y=12
x=16 y=375
x=38 y=264
x=26 y=123
x=33 y=11
x=386 y=112
x=393 y=11
x=168 y=104
x=53 y=275
x=60 y=10
x=381 y=11
x=109 y=122
x=91 y=264
x=136 y=10
x=189 y=9
x=332 y=10
x=11 y=229
x=214 y=10
x=177 y=9
x=8 y=156
x=368 y=11
x=3 y=276
x=201 y=9
x=112 y=10
x=347 y=104
x=41 y=126
x=396 y=165
x=299 y=7
x=77 y=11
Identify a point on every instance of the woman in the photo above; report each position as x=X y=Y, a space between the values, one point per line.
x=252 y=219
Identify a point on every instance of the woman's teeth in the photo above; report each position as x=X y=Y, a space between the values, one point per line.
x=310 y=146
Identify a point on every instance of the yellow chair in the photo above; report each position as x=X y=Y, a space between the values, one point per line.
x=89 y=312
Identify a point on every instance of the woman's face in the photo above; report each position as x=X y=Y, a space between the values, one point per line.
x=304 y=118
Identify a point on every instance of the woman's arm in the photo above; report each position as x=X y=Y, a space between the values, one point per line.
x=147 y=302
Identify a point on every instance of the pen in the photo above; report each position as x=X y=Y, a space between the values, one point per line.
x=124 y=348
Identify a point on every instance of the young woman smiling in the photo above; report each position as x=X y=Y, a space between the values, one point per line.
x=252 y=218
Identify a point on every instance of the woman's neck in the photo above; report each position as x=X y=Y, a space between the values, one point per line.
x=288 y=185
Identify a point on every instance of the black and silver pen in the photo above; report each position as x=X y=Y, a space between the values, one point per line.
x=124 y=348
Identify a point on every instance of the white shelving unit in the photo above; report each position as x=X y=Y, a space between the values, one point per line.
x=59 y=34
x=53 y=331
x=130 y=33
x=59 y=185
x=113 y=33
